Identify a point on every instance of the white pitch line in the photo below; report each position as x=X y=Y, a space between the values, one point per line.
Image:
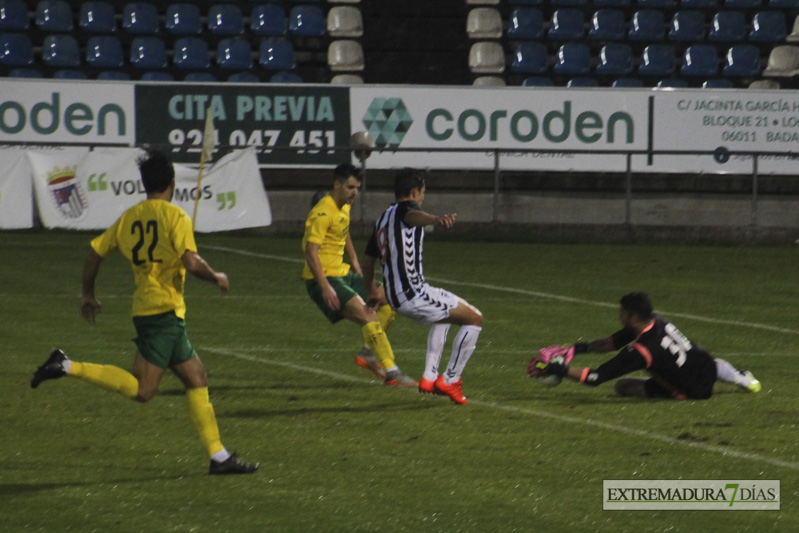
x=541 y=414
x=539 y=294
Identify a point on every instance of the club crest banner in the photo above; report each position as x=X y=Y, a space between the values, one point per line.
x=90 y=190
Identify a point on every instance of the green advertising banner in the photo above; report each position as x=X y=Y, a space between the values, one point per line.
x=287 y=125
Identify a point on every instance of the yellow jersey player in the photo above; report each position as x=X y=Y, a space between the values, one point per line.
x=156 y=236
x=338 y=288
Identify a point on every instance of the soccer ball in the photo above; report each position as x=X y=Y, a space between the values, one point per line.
x=552 y=380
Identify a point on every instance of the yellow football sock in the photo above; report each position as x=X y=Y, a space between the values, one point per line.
x=202 y=415
x=386 y=316
x=377 y=341
x=108 y=377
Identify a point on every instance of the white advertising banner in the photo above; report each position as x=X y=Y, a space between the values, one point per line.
x=500 y=118
x=90 y=190
x=16 y=194
x=511 y=118
x=724 y=121
x=71 y=112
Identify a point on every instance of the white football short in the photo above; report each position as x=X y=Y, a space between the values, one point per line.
x=429 y=307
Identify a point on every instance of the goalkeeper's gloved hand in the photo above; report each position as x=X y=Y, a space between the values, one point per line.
x=539 y=366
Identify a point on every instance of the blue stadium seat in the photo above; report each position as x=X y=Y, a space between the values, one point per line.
x=200 y=77
x=783 y=4
x=687 y=26
x=699 y=4
x=16 y=49
x=717 y=83
x=307 y=21
x=768 y=27
x=526 y=2
x=148 y=53
x=727 y=27
x=183 y=19
x=627 y=82
x=276 y=54
x=530 y=58
x=526 y=23
x=191 y=53
x=54 y=15
x=225 y=19
x=538 y=81
x=700 y=61
x=14 y=15
x=742 y=4
x=268 y=20
x=115 y=75
x=104 y=52
x=97 y=17
x=285 y=77
x=234 y=54
x=157 y=76
x=582 y=82
x=61 y=51
x=615 y=4
x=244 y=77
x=140 y=18
x=607 y=25
x=22 y=72
x=615 y=59
x=69 y=74
x=573 y=59
x=568 y=3
x=742 y=61
x=657 y=60
x=672 y=82
x=656 y=4
x=648 y=26
x=567 y=24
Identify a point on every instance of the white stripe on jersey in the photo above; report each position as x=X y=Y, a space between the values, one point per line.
x=401 y=248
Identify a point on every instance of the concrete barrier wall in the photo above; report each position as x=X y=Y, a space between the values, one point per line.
x=571 y=215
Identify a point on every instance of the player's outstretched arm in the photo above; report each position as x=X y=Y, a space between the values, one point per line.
x=197 y=267
x=89 y=305
x=420 y=218
x=595 y=346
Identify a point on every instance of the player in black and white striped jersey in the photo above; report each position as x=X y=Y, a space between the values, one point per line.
x=398 y=242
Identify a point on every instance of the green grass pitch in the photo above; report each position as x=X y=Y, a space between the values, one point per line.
x=340 y=452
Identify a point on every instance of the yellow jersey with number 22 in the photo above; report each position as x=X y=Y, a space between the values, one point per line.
x=152 y=235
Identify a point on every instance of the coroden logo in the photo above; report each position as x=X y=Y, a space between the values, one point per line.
x=525 y=125
x=691 y=494
x=35 y=112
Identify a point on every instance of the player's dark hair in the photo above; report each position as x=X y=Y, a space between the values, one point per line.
x=157 y=171
x=345 y=170
x=408 y=180
x=637 y=303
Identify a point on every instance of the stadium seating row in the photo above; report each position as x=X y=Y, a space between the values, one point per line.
x=141 y=18
x=646 y=25
x=617 y=59
x=651 y=4
x=189 y=53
